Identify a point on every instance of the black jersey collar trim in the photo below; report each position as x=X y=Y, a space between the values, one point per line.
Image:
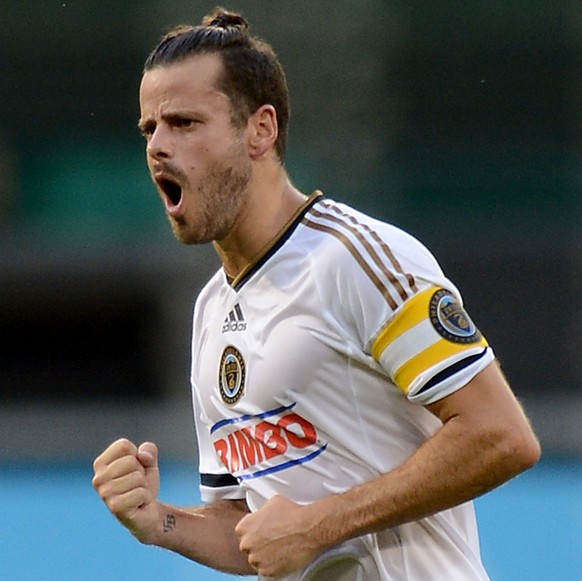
x=276 y=243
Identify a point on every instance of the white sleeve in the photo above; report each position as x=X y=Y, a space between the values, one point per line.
x=430 y=347
x=402 y=310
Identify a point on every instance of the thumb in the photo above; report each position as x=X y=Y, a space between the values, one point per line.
x=147 y=454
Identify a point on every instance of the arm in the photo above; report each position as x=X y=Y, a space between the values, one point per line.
x=484 y=441
x=127 y=479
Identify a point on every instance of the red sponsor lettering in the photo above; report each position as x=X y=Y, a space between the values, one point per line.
x=271 y=437
x=299 y=431
x=250 y=449
x=234 y=455
x=252 y=445
x=221 y=448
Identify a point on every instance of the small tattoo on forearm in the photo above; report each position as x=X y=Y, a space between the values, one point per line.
x=169 y=523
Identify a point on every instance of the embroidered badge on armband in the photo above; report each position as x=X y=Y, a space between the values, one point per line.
x=450 y=319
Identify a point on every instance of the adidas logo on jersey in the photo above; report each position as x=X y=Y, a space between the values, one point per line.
x=234 y=321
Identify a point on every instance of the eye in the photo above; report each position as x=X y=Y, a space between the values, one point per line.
x=147 y=130
x=183 y=122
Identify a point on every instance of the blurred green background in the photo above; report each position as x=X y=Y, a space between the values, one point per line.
x=460 y=122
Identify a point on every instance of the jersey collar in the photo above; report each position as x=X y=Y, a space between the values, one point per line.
x=276 y=243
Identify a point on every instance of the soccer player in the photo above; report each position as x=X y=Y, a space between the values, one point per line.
x=347 y=408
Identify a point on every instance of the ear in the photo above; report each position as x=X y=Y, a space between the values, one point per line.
x=262 y=131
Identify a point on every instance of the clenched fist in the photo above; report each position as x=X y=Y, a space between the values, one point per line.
x=280 y=537
x=127 y=478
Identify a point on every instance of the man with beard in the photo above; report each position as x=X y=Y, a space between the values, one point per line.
x=347 y=408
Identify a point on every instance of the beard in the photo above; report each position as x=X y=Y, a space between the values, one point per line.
x=220 y=195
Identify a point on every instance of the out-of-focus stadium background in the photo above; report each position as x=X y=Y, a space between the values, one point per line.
x=461 y=122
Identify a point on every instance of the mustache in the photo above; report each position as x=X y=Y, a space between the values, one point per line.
x=169 y=171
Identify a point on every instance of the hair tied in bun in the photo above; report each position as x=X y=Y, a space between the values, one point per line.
x=222 y=18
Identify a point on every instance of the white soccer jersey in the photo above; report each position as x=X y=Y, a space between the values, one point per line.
x=309 y=372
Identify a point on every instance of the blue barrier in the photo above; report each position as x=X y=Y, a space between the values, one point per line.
x=55 y=528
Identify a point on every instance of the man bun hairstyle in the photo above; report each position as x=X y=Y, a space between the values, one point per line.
x=252 y=75
x=223 y=18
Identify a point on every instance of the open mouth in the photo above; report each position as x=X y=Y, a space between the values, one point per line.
x=171 y=189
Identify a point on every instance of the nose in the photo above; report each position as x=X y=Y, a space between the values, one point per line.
x=159 y=144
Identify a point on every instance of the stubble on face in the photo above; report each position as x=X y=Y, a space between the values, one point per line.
x=220 y=197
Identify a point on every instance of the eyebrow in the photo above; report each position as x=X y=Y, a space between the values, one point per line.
x=144 y=124
x=171 y=117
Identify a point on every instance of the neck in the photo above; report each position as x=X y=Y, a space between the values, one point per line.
x=267 y=210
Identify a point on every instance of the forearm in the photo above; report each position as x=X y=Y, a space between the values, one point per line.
x=204 y=534
x=485 y=439
x=447 y=470
x=473 y=452
x=443 y=473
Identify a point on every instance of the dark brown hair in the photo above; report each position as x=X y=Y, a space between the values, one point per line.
x=252 y=74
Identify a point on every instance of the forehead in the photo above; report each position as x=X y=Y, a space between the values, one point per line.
x=188 y=82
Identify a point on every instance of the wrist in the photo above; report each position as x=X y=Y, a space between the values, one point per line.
x=325 y=530
x=159 y=520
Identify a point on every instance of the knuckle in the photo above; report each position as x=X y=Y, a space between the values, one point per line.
x=116 y=505
x=120 y=504
x=96 y=481
x=123 y=446
x=118 y=449
x=105 y=491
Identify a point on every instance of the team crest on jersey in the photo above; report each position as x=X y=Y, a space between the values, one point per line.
x=231 y=375
x=451 y=320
